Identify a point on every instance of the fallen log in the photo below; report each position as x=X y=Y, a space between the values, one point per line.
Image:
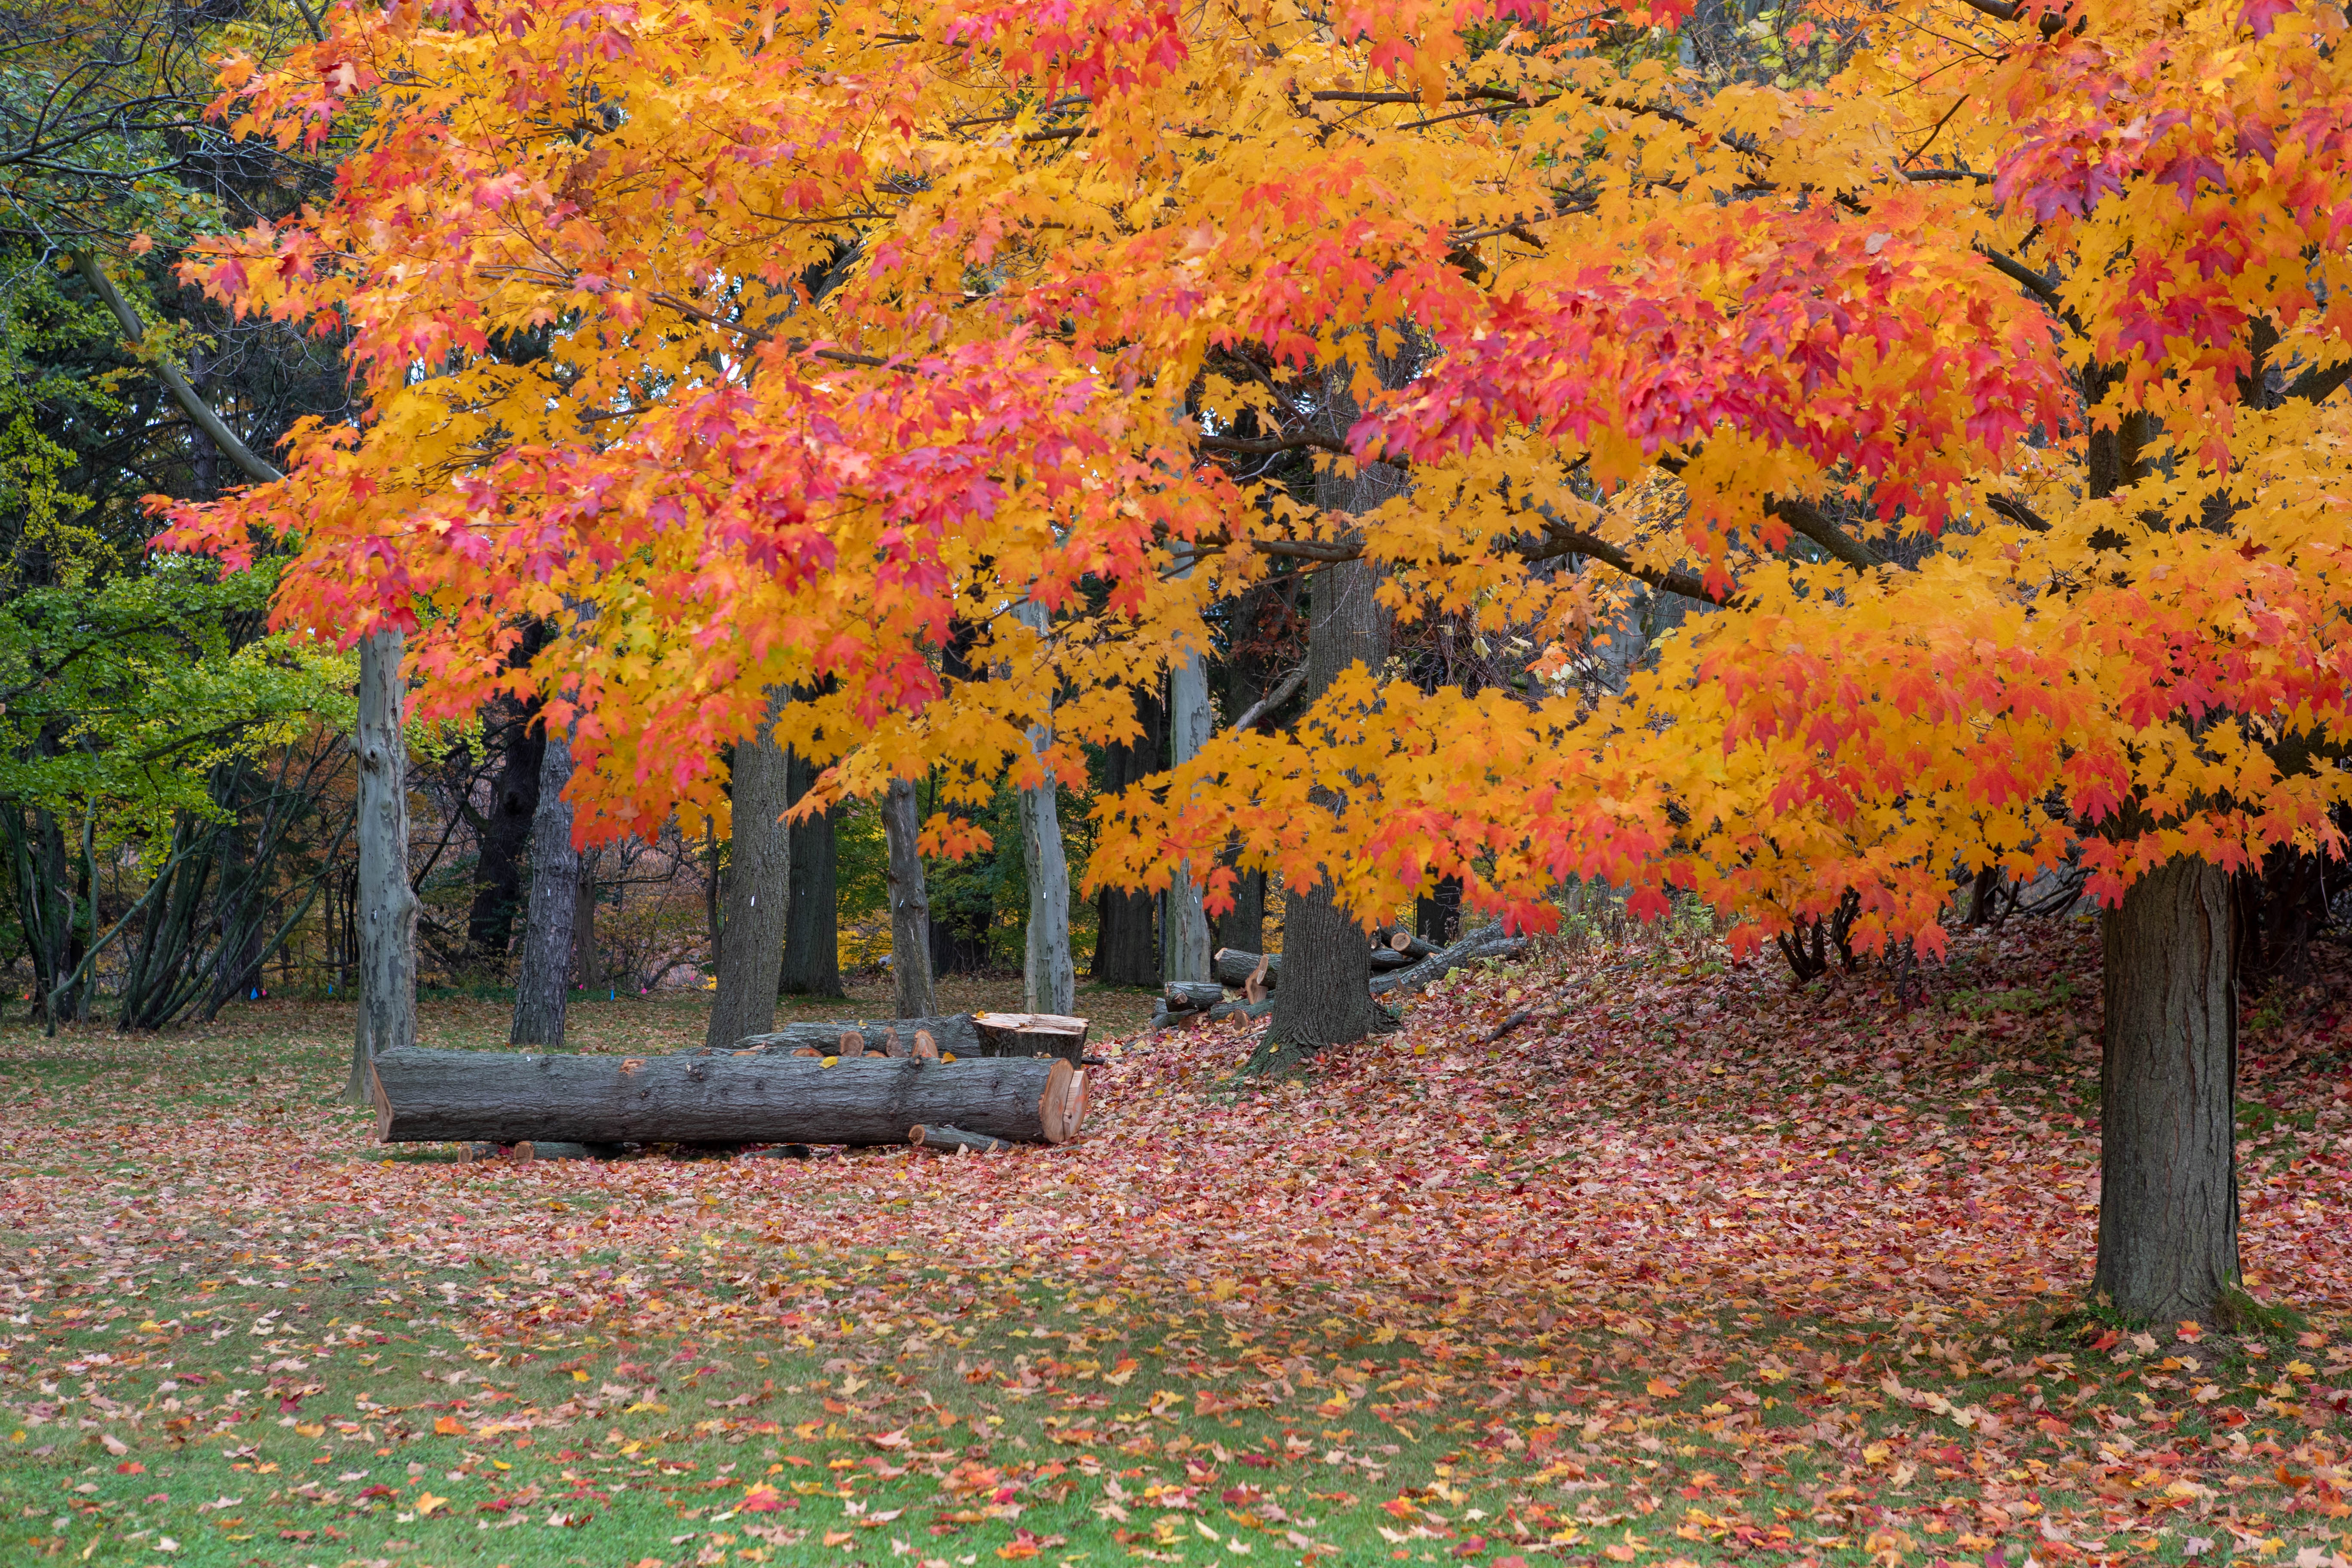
x=508 y=1096
x=1193 y=996
x=1031 y=1035
x=954 y=1033
x=1234 y=967
x=1388 y=958
x=954 y=1140
x=1487 y=942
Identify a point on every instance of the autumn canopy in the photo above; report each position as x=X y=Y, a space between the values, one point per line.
x=1989 y=386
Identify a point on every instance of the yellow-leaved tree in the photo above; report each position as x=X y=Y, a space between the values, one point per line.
x=1991 y=385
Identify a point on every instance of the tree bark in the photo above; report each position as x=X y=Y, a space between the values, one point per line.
x=2168 y=1166
x=759 y=885
x=1125 y=953
x=1049 y=980
x=541 y=989
x=1437 y=917
x=505 y=835
x=953 y=1032
x=910 y=909
x=507 y=1097
x=1032 y=1034
x=1326 y=998
x=386 y=905
x=1185 y=950
x=1244 y=925
x=587 y=968
x=812 y=928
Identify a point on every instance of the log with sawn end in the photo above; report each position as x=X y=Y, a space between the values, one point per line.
x=508 y=1096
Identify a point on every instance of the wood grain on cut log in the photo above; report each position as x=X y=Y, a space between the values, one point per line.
x=437 y=1095
x=1030 y=1035
x=953 y=1032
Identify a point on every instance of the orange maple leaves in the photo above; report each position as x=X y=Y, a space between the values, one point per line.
x=792 y=364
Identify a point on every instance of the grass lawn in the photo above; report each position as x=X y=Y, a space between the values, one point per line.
x=1685 y=1267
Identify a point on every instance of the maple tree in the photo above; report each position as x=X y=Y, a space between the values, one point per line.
x=767 y=346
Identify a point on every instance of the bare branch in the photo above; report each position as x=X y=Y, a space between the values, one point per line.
x=197 y=409
x=1272 y=700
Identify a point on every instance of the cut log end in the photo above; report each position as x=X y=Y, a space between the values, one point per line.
x=926 y=1047
x=853 y=1044
x=383 y=1104
x=1050 y=1103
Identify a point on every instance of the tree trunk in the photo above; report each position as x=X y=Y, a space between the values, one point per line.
x=759 y=885
x=1244 y=925
x=1185 y=950
x=505 y=835
x=507 y=1097
x=384 y=906
x=1125 y=953
x=812 y=928
x=540 y=989
x=1326 y=998
x=587 y=967
x=1438 y=917
x=910 y=909
x=1049 y=980
x=2168 y=1166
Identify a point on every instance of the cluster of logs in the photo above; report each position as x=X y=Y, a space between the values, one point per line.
x=1400 y=962
x=964 y=1081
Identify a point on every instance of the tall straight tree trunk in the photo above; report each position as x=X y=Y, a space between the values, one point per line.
x=1244 y=925
x=2167 y=1162
x=383 y=905
x=1049 y=982
x=1185 y=950
x=1124 y=952
x=759 y=886
x=812 y=928
x=542 y=993
x=1325 y=998
x=505 y=833
x=587 y=969
x=910 y=905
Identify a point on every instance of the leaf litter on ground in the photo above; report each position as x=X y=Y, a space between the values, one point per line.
x=1687 y=1265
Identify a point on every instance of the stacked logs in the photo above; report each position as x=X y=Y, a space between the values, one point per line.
x=1400 y=962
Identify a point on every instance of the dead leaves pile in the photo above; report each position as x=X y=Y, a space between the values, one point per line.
x=1683 y=1262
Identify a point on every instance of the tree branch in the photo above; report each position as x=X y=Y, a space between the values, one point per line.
x=1807 y=520
x=2320 y=381
x=219 y=434
x=2024 y=276
x=1272 y=700
x=1244 y=447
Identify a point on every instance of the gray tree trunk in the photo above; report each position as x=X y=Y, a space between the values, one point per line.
x=759 y=886
x=586 y=966
x=2168 y=1165
x=384 y=907
x=1326 y=993
x=541 y=988
x=910 y=905
x=1049 y=980
x=1185 y=947
x=812 y=919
